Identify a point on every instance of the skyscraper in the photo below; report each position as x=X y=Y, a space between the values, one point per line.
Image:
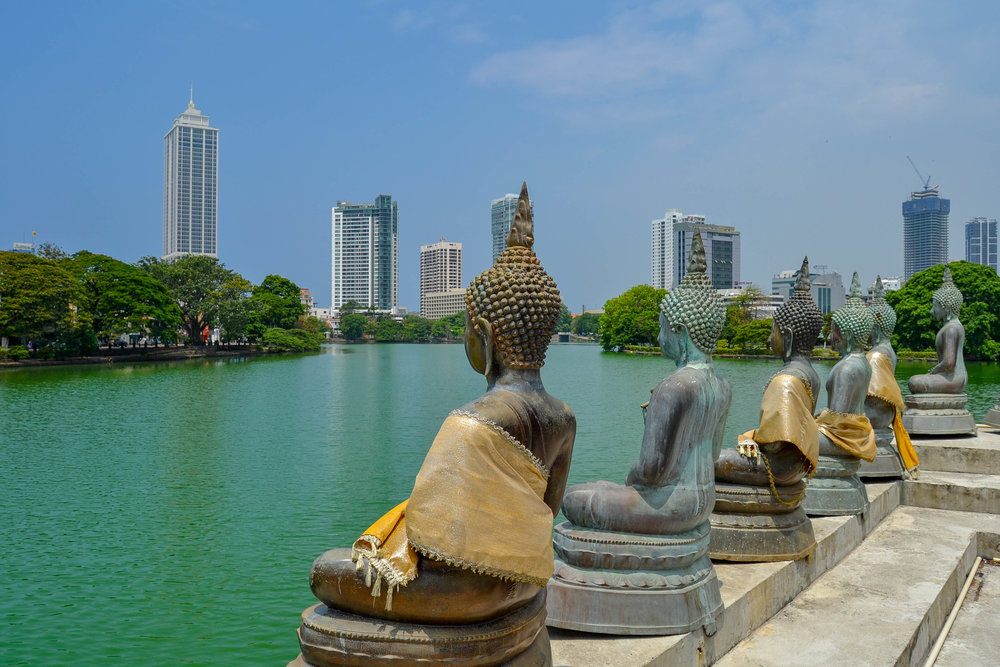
x=671 y=248
x=925 y=231
x=190 y=186
x=981 y=242
x=365 y=254
x=501 y=213
x=440 y=272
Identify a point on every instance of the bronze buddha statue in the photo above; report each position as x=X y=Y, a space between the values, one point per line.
x=884 y=402
x=471 y=548
x=845 y=434
x=937 y=402
x=759 y=484
x=632 y=558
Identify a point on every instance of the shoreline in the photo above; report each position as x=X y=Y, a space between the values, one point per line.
x=140 y=355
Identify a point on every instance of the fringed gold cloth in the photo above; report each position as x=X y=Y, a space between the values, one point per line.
x=786 y=416
x=883 y=386
x=477 y=503
x=852 y=433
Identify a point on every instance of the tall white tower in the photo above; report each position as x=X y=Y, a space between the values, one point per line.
x=190 y=186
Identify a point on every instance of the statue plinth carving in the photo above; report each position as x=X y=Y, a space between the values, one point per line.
x=937 y=404
x=895 y=457
x=456 y=574
x=760 y=484
x=632 y=559
x=845 y=434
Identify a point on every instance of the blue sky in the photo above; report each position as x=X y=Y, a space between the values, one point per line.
x=790 y=120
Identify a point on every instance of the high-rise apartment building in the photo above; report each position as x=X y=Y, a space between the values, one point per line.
x=190 y=186
x=827 y=287
x=925 y=231
x=501 y=213
x=671 y=248
x=981 y=242
x=440 y=271
x=365 y=254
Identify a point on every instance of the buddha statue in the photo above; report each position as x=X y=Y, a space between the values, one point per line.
x=936 y=404
x=884 y=402
x=759 y=484
x=845 y=434
x=457 y=572
x=632 y=558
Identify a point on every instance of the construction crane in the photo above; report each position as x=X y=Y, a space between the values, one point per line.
x=925 y=181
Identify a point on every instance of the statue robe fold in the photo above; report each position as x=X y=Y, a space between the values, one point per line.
x=850 y=432
x=884 y=387
x=786 y=415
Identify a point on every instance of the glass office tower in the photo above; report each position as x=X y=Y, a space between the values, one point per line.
x=925 y=231
x=365 y=254
x=190 y=186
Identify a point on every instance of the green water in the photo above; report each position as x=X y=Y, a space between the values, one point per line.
x=168 y=513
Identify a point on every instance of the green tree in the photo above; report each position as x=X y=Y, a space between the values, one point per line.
x=456 y=323
x=350 y=306
x=196 y=282
x=565 y=321
x=237 y=316
x=352 y=326
x=748 y=302
x=51 y=251
x=752 y=334
x=633 y=318
x=276 y=302
x=121 y=298
x=388 y=330
x=980 y=287
x=587 y=324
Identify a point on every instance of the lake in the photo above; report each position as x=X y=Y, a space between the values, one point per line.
x=169 y=512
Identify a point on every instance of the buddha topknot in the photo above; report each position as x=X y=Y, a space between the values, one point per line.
x=948 y=295
x=800 y=314
x=885 y=315
x=516 y=296
x=853 y=317
x=695 y=303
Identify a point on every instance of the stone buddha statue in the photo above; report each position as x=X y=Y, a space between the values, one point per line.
x=845 y=434
x=465 y=560
x=759 y=484
x=884 y=402
x=632 y=558
x=936 y=404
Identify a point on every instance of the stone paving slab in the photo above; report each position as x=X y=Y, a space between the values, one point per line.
x=973 y=637
x=884 y=604
x=966 y=492
x=980 y=454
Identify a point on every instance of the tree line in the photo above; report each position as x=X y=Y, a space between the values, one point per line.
x=58 y=305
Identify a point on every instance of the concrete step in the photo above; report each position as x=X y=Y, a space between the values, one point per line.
x=965 y=492
x=885 y=603
x=980 y=455
x=751 y=592
x=973 y=637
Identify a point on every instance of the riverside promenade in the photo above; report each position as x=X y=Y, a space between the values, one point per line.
x=878 y=590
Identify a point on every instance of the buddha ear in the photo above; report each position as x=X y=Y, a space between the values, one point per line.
x=789 y=341
x=485 y=330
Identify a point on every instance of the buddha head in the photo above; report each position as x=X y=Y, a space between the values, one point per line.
x=512 y=307
x=693 y=314
x=885 y=315
x=947 y=300
x=797 y=322
x=852 y=323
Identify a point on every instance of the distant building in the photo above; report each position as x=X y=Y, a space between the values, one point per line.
x=435 y=305
x=827 y=287
x=24 y=247
x=889 y=284
x=981 y=242
x=501 y=213
x=190 y=186
x=440 y=271
x=763 y=310
x=925 y=231
x=671 y=247
x=305 y=296
x=365 y=254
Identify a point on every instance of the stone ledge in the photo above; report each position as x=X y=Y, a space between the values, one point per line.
x=958 y=491
x=973 y=455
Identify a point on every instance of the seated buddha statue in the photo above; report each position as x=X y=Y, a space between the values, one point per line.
x=473 y=541
x=759 y=484
x=845 y=434
x=629 y=552
x=937 y=403
x=884 y=402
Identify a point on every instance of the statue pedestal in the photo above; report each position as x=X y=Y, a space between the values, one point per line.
x=887 y=463
x=938 y=414
x=835 y=489
x=750 y=525
x=632 y=584
x=333 y=637
x=992 y=417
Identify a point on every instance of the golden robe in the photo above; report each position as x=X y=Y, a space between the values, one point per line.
x=786 y=415
x=852 y=433
x=477 y=503
x=883 y=386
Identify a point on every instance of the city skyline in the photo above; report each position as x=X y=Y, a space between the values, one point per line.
x=981 y=241
x=671 y=247
x=364 y=254
x=770 y=115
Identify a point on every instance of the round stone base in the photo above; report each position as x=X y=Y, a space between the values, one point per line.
x=938 y=414
x=835 y=489
x=886 y=465
x=605 y=549
x=604 y=602
x=764 y=532
x=333 y=637
x=992 y=417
